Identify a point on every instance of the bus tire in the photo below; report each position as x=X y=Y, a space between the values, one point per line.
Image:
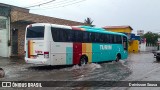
x=118 y=57
x=83 y=60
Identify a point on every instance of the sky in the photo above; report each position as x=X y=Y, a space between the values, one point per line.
x=139 y=14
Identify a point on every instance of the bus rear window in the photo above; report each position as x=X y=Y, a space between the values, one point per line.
x=35 y=32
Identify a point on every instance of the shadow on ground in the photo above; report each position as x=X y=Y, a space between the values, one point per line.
x=49 y=67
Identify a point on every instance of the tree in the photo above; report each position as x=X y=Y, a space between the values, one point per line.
x=151 y=38
x=89 y=22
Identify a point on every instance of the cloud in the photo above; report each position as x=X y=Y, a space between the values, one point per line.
x=140 y=14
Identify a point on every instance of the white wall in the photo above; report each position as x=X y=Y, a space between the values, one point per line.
x=151 y=48
x=143 y=47
x=4 y=33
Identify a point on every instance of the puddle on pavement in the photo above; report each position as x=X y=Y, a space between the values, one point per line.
x=18 y=70
x=136 y=65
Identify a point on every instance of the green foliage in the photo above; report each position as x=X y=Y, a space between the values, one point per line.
x=151 y=38
x=89 y=22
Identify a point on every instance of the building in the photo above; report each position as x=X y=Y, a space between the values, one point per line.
x=140 y=32
x=134 y=43
x=13 y=21
x=121 y=29
x=133 y=40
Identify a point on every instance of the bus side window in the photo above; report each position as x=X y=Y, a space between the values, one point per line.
x=89 y=37
x=85 y=37
x=101 y=37
x=70 y=35
x=55 y=34
x=78 y=36
x=106 y=38
x=119 y=38
x=59 y=34
x=97 y=38
x=110 y=38
x=114 y=39
x=63 y=35
x=92 y=37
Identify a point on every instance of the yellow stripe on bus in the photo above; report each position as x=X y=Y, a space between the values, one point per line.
x=31 y=47
x=87 y=49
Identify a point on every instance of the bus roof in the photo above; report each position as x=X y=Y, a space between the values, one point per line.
x=101 y=30
x=85 y=28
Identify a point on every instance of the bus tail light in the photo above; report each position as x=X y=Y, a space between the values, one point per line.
x=46 y=54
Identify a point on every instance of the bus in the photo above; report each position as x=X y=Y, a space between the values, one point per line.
x=51 y=44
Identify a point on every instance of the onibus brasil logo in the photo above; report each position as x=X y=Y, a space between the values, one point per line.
x=20 y=84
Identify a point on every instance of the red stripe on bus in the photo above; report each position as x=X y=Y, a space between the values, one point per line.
x=77 y=52
x=76 y=28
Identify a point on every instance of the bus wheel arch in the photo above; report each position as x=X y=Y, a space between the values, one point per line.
x=83 y=60
x=118 y=57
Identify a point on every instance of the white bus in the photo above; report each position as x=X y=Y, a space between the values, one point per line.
x=51 y=44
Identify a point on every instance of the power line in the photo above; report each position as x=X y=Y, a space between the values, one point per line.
x=61 y=5
x=41 y=4
x=61 y=2
x=58 y=3
x=51 y=2
x=35 y=3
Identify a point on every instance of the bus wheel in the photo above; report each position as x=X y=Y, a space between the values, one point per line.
x=83 y=61
x=117 y=58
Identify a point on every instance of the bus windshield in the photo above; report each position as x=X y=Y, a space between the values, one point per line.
x=35 y=32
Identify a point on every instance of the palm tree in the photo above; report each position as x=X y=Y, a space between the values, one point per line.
x=89 y=22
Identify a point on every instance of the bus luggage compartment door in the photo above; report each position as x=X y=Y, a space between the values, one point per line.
x=58 y=53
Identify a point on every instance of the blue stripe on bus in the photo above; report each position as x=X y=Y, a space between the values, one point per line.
x=106 y=52
x=69 y=55
x=95 y=52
